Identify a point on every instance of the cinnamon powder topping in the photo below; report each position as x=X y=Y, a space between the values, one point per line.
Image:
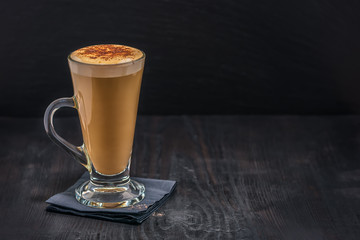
x=106 y=54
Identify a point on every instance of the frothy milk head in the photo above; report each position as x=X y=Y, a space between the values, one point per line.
x=106 y=60
x=106 y=54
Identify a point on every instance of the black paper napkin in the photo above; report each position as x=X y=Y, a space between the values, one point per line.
x=156 y=193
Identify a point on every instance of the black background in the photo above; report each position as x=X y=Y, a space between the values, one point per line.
x=203 y=57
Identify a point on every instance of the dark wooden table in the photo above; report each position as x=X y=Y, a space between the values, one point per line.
x=239 y=177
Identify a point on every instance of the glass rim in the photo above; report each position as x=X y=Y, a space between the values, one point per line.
x=104 y=65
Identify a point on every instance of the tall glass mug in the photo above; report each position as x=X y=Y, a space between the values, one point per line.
x=106 y=81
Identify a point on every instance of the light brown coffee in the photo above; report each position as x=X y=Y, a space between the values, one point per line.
x=107 y=80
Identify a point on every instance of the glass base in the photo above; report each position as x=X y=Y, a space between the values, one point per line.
x=105 y=195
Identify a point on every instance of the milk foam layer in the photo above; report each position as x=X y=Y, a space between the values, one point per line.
x=106 y=60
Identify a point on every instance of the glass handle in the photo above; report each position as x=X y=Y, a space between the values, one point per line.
x=76 y=152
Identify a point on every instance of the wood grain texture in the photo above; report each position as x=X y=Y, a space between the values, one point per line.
x=239 y=177
x=203 y=56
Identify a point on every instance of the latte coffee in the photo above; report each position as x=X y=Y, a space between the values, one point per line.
x=107 y=80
